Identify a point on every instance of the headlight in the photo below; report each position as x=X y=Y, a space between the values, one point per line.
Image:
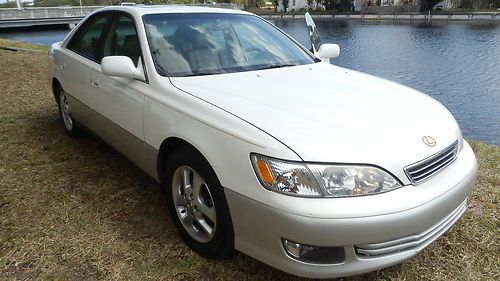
x=313 y=180
x=346 y=180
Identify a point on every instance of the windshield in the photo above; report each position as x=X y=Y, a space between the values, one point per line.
x=214 y=43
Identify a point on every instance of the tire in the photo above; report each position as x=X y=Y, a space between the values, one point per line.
x=197 y=204
x=70 y=126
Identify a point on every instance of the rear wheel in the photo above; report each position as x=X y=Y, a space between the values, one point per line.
x=70 y=126
x=197 y=204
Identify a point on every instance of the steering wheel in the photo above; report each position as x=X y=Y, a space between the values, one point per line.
x=251 y=50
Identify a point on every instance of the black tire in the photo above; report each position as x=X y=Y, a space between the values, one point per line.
x=73 y=129
x=221 y=245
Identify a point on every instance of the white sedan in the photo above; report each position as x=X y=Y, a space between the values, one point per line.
x=262 y=145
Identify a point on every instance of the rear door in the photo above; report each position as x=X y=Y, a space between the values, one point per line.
x=81 y=52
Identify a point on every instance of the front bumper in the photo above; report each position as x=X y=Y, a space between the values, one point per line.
x=370 y=242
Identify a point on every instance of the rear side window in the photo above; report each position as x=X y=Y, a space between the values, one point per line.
x=87 y=38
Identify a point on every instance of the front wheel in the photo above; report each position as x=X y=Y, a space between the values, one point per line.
x=197 y=204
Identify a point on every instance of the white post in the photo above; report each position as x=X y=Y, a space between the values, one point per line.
x=18 y=3
x=80 y=4
x=358 y=4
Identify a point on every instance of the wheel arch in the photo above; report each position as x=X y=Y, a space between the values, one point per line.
x=167 y=147
x=56 y=86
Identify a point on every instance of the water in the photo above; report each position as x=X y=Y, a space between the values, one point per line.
x=457 y=64
x=43 y=37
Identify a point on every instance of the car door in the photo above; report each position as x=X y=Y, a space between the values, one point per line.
x=119 y=99
x=73 y=60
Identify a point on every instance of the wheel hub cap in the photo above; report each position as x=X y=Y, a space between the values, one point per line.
x=194 y=204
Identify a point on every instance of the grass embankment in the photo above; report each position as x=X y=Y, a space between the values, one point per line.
x=73 y=209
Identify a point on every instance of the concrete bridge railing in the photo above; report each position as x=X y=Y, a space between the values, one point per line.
x=46 y=13
x=410 y=17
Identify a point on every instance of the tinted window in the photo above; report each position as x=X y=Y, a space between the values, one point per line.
x=205 y=43
x=122 y=39
x=87 y=38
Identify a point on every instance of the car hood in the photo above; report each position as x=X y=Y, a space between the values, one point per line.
x=331 y=114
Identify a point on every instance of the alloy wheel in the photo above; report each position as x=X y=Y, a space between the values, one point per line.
x=194 y=204
x=65 y=111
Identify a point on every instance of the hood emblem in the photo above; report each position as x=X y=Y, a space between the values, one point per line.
x=429 y=141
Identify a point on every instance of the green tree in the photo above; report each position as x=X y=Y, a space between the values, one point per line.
x=8 y=5
x=285 y=5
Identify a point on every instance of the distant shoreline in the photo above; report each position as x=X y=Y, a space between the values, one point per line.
x=408 y=18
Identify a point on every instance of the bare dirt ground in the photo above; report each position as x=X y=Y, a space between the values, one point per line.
x=76 y=210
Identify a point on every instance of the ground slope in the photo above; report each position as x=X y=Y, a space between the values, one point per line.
x=73 y=209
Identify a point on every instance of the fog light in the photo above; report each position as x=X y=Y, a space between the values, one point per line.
x=314 y=254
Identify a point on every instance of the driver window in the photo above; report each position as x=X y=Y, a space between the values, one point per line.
x=87 y=38
x=122 y=39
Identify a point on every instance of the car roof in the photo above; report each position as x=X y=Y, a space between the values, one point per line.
x=140 y=10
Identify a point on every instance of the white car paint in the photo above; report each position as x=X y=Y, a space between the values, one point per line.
x=314 y=113
x=371 y=114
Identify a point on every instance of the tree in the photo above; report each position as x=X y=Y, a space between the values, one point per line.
x=428 y=4
x=276 y=3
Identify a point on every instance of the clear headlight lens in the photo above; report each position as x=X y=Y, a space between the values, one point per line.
x=313 y=180
x=348 y=180
x=285 y=177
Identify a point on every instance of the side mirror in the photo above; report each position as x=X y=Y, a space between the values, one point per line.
x=328 y=51
x=121 y=66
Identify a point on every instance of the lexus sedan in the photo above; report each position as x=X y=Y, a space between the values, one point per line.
x=260 y=144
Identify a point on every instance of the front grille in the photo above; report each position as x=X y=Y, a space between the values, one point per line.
x=428 y=167
x=413 y=241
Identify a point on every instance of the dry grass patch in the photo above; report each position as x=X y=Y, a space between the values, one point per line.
x=73 y=209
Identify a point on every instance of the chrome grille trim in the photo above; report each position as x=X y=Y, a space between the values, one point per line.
x=422 y=170
x=413 y=241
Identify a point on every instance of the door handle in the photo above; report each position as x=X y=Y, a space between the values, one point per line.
x=94 y=83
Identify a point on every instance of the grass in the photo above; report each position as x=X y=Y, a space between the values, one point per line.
x=73 y=209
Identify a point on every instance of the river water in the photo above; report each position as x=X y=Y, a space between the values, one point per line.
x=457 y=64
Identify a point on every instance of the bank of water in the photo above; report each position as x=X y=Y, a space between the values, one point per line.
x=457 y=64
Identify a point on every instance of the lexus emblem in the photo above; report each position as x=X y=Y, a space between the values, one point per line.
x=429 y=141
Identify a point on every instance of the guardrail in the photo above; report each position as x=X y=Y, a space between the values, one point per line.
x=45 y=13
x=495 y=17
x=13 y=17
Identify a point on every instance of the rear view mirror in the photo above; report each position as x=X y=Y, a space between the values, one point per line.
x=121 y=66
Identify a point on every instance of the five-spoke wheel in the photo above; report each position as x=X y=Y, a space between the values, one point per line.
x=197 y=204
x=194 y=204
x=70 y=126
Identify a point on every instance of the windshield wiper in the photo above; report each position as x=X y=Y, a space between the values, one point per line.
x=275 y=66
x=201 y=74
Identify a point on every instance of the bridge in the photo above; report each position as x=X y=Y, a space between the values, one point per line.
x=13 y=17
x=39 y=16
x=70 y=16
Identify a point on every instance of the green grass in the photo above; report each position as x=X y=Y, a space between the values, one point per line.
x=73 y=209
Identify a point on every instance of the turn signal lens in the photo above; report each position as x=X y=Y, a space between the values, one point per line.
x=285 y=177
x=265 y=172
